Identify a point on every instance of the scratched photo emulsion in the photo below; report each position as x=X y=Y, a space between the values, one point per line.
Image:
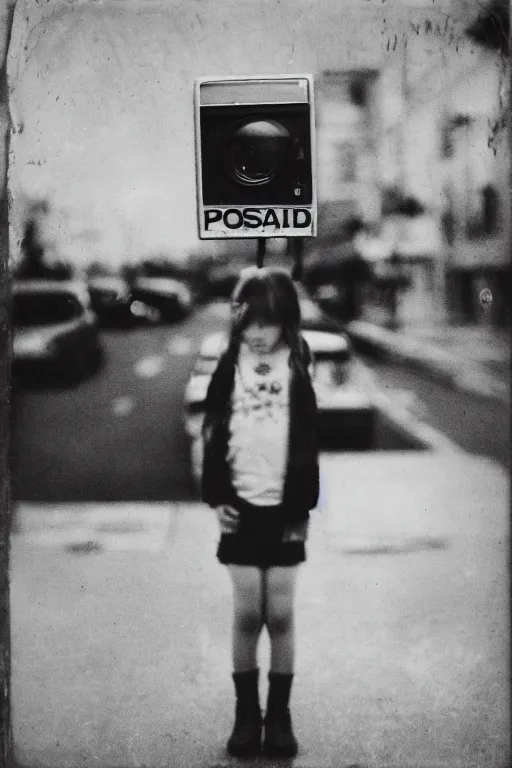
x=256 y=317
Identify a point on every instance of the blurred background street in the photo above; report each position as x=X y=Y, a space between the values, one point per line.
x=120 y=612
x=120 y=435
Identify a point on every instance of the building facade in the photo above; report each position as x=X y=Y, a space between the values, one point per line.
x=452 y=154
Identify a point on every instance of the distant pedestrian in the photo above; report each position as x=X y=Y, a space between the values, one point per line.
x=32 y=264
x=355 y=272
x=260 y=473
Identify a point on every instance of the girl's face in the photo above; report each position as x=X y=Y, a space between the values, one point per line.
x=261 y=337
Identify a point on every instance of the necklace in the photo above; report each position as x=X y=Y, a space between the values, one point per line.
x=262 y=369
x=261 y=366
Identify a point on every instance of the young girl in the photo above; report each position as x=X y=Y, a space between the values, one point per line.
x=260 y=473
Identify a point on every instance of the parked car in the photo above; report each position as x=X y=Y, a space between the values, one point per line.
x=343 y=385
x=55 y=331
x=313 y=317
x=222 y=278
x=114 y=303
x=172 y=298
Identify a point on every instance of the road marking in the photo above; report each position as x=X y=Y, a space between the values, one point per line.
x=408 y=399
x=404 y=397
x=180 y=345
x=123 y=406
x=149 y=367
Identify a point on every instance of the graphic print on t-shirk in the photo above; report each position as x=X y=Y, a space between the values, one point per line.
x=258 y=439
x=262 y=369
x=262 y=399
x=259 y=394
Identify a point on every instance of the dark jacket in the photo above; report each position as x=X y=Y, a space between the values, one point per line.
x=301 y=483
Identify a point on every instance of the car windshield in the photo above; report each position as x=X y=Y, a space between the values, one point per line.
x=106 y=294
x=44 y=309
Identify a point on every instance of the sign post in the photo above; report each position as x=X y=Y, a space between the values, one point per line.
x=255 y=158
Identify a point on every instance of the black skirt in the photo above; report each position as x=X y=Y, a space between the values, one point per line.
x=258 y=539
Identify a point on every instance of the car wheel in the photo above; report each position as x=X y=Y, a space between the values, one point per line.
x=74 y=368
x=81 y=366
x=365 y=436
x=96 y=359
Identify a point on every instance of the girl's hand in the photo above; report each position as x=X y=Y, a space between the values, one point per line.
x=228 y=518
x=296 y=531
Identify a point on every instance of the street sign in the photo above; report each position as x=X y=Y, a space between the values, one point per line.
x=255 y=157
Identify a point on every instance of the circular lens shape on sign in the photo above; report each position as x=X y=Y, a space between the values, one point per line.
x=257 y=147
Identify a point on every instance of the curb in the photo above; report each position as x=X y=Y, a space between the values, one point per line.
x=456 y=372
x=411 y=427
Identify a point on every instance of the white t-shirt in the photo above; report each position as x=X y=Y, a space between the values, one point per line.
x=258 y=441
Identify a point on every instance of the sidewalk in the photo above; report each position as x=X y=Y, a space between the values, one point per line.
x=472 y=358
x=121 y=615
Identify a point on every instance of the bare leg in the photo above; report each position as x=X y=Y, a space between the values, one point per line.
x=279 y=616
x=247 y=615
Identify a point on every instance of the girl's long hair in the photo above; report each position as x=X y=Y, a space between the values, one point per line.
x=267 y=295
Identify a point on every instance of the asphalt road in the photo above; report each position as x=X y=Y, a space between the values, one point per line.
x=119 y=435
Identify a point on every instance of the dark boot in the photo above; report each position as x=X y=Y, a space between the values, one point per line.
x=245 y=741
x=279 y=739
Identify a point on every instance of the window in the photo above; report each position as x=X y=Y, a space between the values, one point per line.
x=44 y=309
x=490 y=205
x=484 y=219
